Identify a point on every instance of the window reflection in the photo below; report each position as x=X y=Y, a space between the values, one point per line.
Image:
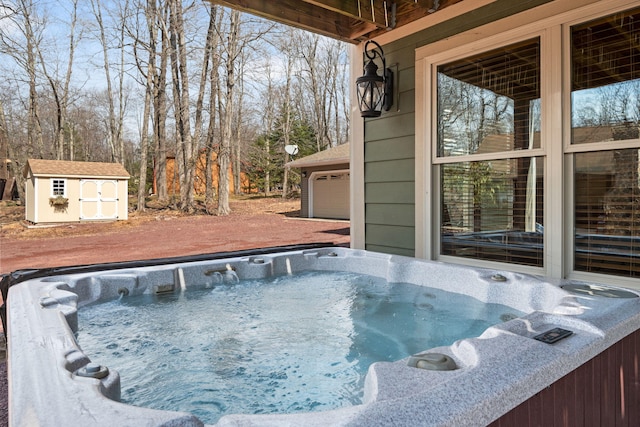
x=605 y=79
x=605 y=100
x=493 y=210
x=491 y=102
x=607 y=212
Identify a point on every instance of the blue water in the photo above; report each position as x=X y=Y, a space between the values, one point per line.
x=282 y=345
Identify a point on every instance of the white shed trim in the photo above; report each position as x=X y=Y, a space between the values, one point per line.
x=98 y=199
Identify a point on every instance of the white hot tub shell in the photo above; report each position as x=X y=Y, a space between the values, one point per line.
x=52 y=382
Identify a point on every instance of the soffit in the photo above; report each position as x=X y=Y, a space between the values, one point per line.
x=347 y=20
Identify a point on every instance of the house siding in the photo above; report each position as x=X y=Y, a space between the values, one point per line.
x=389 y=172
x=30 y=202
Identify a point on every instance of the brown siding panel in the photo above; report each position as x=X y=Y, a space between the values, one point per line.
x=604 y=391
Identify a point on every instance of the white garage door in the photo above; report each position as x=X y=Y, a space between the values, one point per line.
x=98 y=199
x=329 y=195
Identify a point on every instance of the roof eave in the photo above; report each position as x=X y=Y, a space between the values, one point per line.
x=330 y=162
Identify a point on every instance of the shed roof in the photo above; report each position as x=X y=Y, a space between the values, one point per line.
x=333 y=156
x=66 y=168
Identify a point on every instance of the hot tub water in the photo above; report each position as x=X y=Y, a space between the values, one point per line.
x=287 y=344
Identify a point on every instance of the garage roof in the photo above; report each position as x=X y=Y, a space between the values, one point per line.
x=66 y=168
x=333 y=156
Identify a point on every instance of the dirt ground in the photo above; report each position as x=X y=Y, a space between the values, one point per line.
x=255 y=222
x=159 y=233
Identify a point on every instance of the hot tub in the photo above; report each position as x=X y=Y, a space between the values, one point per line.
x=474 y=381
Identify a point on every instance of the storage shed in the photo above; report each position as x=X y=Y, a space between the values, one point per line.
x=324 y=187
x=66 y=191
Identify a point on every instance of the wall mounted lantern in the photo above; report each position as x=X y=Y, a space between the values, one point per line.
x=374 y=92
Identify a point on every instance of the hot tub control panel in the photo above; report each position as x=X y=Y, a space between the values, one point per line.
x=553 y=335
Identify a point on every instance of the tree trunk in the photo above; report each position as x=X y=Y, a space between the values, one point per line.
x=160 y=99
x=214 y=77
x=225 y=145
x=34 y=129
x=61 y=92
x=184 y=151
x=146 y=115
x=286 y=126
x=237 y=152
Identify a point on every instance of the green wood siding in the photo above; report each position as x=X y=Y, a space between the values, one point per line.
x=390 y=139
x=391 y=214
x=390 y=236
x=390 y=192
x=390 y=126
x=390 y=250
x=391 y=171
x=390 y=149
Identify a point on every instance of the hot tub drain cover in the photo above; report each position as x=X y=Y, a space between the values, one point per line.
x=595 y=290
x=432 y=362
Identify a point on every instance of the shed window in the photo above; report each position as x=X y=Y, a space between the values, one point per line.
x=58 y=187
x=605 y=123
x=489 y=110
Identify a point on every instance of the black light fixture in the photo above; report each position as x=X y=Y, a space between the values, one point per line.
x=374 y=92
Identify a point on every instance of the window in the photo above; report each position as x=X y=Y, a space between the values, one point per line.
x=58 y=187
x=491 y=187
x=532 y=153
x=605 y=123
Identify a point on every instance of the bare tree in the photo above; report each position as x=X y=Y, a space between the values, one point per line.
x=116 y=113
x=214 y=81
x=60 y=90
x=160 y=108
x=22 y=47
x=149 y=74
x=53 y=114
x=322 y=66
x=224 y=154
x=209 y=60
x=286 y=122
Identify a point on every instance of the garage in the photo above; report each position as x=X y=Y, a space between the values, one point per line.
x=329 y=195
x=324 y=183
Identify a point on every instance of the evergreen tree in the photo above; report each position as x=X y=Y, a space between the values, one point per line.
x=268 y=155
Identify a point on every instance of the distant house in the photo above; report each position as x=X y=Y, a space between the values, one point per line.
x=325 y=183
x=8 y=186
x=199 y=185
x=66 y=191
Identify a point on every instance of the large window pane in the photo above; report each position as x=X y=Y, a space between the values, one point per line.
x=607 y=212
x=605 y=79
x=490 y=102
x=605 y=102
x=493 y=210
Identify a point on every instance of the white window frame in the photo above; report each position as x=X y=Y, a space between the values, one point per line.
x=571 y=150
x=553 y=29
x=64 y=187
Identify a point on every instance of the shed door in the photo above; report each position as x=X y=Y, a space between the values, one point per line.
x=330 y=195
x=98 y=199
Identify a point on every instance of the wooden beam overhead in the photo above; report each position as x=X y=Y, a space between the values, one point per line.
x=367 y=11
x=347 y=20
